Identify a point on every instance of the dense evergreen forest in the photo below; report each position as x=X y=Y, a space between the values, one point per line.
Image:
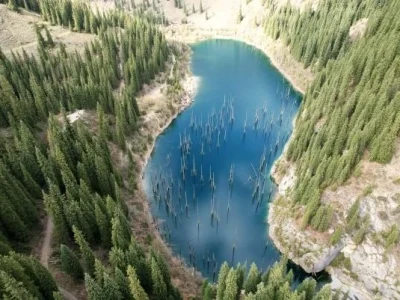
x=276 y=283
x=69 y=169
x=45 y=161
x=352 y=109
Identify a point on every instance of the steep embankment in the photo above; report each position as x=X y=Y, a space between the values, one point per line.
x=360 y=268
x=337 y=207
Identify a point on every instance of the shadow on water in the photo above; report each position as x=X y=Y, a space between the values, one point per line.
x=208 y=179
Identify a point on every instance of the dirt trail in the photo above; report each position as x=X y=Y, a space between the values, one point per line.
x=67 y=295
x=46 y=247
x=45 y=253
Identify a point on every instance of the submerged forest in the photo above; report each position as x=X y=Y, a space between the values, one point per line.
x=79 y=175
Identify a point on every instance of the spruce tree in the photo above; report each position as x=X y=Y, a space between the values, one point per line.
x=159 y=286
x=231 y=289
x=12 y=222
x=12 y=4
x=93 y=289
x=104 y=226
x=134 y=284
x=12 y=289
x=70 y=263
x=223 y=273
x=87 y=253
x=49 y=42
x=308 y=287
x=123 y=284
x=252 y=280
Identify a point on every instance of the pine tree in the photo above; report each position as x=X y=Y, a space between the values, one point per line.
x=49 y=42
x=12 y=4
x=123 y=284
x=12 y=222
x=40 y=39
x=208 y=292
x=30 y=183
x=253 y=279
x=87 y=253
x=120 y=233
x=392 y=237
x=324 y=293
x=70 y=263
x=110 y=288
x=21 y=272
x=223 y=273
x=308 y=286
x=231 y=289
x=159 y=287
x=240 y=276
x=240 y=15
x=104 y=226
x=43 y=279
x=93 y=289
x=134 y=284
x=12 y=289
x=54 y=206
x=336 y=235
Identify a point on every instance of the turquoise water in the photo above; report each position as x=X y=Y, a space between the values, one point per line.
x=222 y=217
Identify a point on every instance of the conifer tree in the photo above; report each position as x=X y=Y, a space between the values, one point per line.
x=324 y=293
x=49 y=40
x=12 y=289
x=134 y=284
x=120 y=234
x=253 y=279
x=223 y=273
x=42 y=278
x=12 y=222
x=240 y=15
x=110 y=288
x=123 y=284
x=87 y=253
x=336 y=235
x=54 y=206
x=12 y=4
x=231 y=289
x=70 y=263
x=308 y=287
x=93 y=289
x=104 y=226
x=159 y=287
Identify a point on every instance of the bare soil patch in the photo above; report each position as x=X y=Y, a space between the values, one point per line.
x=17 y=33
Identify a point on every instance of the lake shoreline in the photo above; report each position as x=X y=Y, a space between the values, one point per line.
x=179 y=269
x=190 y=86
x=278 y=54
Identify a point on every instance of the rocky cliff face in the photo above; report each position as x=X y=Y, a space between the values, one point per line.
x=368 y=269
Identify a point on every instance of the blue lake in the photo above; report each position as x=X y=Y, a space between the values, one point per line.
x=236 y=128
